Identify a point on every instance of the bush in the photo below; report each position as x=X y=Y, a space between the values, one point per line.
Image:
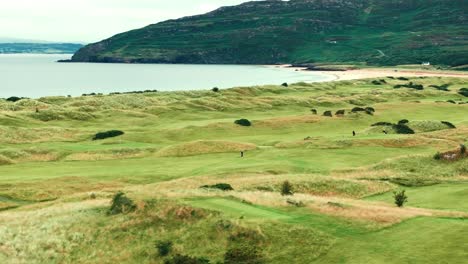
x=121 y=204
x=184 y=259
x=403 y=122
x=462 y=149
x=340 y=112
x=403 y=79
x=215 y=89
x=243 y=122
x=403 y=129
x=370 y=109
x=358 y=109
x=379 y=82
x=220 y=186
x=243 y=253
x=410 y=85
x=450 y=125
x=438 y=156
x=328 y=113
x=286 y=188
x=314 y=111
x=164 y=248
x=108 y=134
x=400 y=198
x=463 y=91
x=14 y=99
x=451 y=101
x=382 y=124
x=285 y=85
x=443 y=87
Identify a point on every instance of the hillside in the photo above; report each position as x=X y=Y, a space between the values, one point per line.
x=378 y=32
x=39 y=48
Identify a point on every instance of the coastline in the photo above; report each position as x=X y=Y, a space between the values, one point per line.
x=357 y=74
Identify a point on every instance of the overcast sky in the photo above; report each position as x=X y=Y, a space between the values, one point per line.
x=92 y=20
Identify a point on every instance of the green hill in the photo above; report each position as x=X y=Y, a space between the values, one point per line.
x=378 y=32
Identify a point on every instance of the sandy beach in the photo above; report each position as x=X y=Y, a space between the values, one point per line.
x=377 y=73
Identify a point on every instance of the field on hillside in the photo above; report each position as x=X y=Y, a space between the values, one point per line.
x=57 y=183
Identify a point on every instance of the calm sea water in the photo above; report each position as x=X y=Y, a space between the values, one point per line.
x=39 y=75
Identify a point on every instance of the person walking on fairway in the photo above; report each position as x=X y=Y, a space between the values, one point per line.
x=354 y=133
x=242 y=154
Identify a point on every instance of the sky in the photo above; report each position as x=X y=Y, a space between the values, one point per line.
x=88 y=21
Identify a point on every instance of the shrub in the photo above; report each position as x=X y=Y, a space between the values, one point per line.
x=370 y=109
x=220 y=186
x=463 y=91
x=451 y=101
x=164 y=247
x=410 y=85
x=462 y=149
x=243 y=122
x=438 y=156
x=285 y=85
x=121 y=204
x=286 y=188
x=379 y=82
x=403 y=129
x=403 y=121
x=14 y=99
x=184 y=259
x=314 y=111
x=340 y=112
x=450 y=125
x=328 y=113
x=443 y=87
x=215 y=89
x=382 y=124
x=358 y=109
x=108 y=134
x=243 y=253
x=400 y=198
x=403 y=79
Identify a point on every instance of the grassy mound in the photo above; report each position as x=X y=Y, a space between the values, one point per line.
x=5 y=161
x=427 y=126
x=205 y=147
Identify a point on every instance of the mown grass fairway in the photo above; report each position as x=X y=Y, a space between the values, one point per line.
x=56 y=183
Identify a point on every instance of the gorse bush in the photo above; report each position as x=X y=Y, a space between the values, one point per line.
x=328 y=113
x=215 y=89
x=286 y=188
x=448 y=124
x=108 y=134
x=219 y=186
x=400 y=198
x=314 y=111
x=285 y=85
x=410 y=85
x=443 y=87
x=184 y=259
x=403 y=121
x=403 y=129
x=243 y=253
x=15 y=99
x=462 y=149
x=340 y=112
x=243 y=122
x=382 y=124
x=121 y=204
x=463 y=91
x=164 y=248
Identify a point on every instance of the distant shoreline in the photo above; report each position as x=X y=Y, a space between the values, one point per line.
x=356 y=74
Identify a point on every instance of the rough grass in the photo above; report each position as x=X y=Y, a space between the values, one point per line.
x=204 y=147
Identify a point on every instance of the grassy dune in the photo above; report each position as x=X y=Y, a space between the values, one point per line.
x=56 y=183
